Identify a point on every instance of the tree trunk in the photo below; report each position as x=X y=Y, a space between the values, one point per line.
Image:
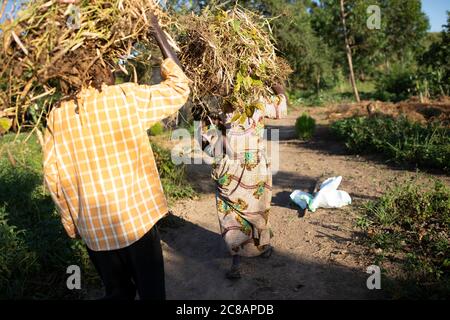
x=349 y=54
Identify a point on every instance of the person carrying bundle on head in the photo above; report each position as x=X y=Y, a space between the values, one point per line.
x=243 y=178
x=102 y=175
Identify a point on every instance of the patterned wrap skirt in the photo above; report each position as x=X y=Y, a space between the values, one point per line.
x=244 y=193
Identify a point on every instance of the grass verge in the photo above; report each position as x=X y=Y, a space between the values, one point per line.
x=408 y=229
x=34 y=249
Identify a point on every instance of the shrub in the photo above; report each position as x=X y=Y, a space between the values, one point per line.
x=434 y=66
x=157 y=129
x=410 y=225
x=399 y=83
x=432 y=83
x=173 y=177
x=34 y=249
x=304 y=127
x=399 y=140
x=16 y=260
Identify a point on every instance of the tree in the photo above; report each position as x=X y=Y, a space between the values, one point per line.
x=343 y=25
x=438 y=55
x=405 y=29
x=348 y=51
x=306 y=53
x=435 y=62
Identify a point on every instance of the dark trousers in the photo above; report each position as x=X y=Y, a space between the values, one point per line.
x=139 y=266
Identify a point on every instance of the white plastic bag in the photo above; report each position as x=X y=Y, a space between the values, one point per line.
x=330 y=199
x=327 y=197
x=302 y=199
x=331 y=183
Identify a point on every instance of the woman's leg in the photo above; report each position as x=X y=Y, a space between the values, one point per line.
x=235 y=271
x=268 y=250
x=236 y=261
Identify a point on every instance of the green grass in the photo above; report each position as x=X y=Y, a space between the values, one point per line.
x=312 y=99
x=34 y=248
x=173 y=177
x=409 y=226
x=341 y=93
x=399 y=140
x=363 y=87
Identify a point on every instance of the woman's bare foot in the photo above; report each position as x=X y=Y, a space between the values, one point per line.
x=267 y=253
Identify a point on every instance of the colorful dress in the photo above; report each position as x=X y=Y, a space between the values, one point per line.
x=244 y=187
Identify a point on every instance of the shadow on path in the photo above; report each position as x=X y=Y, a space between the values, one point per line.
x=196 y=261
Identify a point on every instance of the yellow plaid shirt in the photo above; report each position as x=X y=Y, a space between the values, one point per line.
x=98 y=163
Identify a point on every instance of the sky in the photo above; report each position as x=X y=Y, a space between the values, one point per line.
x=434 y=9
x=436 y=12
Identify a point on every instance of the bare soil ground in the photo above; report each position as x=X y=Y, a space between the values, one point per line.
x=436 y=110
x=317 y=255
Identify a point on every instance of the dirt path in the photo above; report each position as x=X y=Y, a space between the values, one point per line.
x=317 y=255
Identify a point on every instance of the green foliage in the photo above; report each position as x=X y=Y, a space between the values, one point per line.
x=405 y=28
x=173 y=177
x=402 y=32
x=326 y=22
x=399 y=83
x=435 y=65
x=410 y=224
x=320 y=51
x=429 y=79
x=16 y=260
x=307 y=54
x=5 y=125
x=305 y=126
x=399 y=140
x=342 y=93
x=34 y=249
x=313 y=99
x=432 y=83
x=156 y=129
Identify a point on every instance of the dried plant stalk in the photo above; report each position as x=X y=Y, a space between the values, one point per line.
x=50 y=51
x=230 y=56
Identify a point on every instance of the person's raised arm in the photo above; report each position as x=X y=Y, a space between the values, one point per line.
x=159 y=35
x=158 y=101
x=161 y=39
